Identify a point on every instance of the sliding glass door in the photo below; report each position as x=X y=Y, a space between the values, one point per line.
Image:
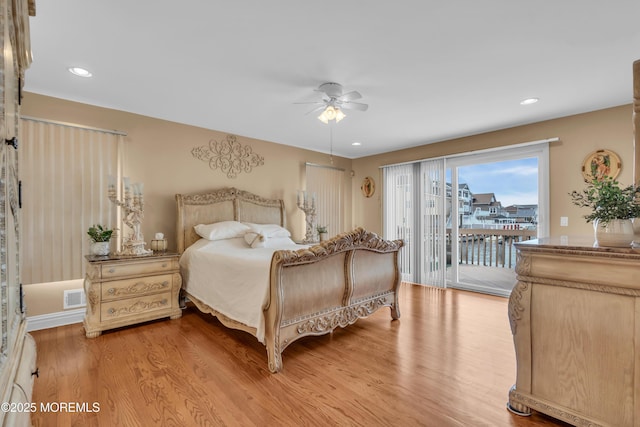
x=460 y=216
x=502 y=200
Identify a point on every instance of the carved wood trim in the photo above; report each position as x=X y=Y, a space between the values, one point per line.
x=585 y=286
x=138 y=288
x=356 y=239
x=137 y=307
x=516 y=306
x=519 y=400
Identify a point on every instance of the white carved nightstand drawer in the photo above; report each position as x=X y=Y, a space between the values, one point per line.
x=127 y=291
x=114 y=270
x=135 y=306
x=136 y=287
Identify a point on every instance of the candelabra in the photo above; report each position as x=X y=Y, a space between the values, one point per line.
x=133 y=207
x=309 y=208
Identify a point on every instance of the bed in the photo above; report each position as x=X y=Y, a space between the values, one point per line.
x=295 y=291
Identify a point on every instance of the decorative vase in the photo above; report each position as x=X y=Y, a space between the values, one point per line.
x=100 y=248
x=616 y=233
x=323 y=236
x=636 y=229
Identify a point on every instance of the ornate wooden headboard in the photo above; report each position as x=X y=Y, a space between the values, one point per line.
x=223 y=205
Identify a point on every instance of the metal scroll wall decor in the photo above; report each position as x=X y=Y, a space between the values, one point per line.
x=229 y=156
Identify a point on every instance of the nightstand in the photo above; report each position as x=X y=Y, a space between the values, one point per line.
x=123 y=291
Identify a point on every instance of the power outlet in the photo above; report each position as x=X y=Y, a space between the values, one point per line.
x=564 y=221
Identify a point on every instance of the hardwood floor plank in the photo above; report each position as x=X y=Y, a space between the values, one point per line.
x=448 y=361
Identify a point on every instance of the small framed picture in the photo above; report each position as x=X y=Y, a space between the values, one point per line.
x=599 y=164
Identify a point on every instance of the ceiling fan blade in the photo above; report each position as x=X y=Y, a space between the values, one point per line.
x=315 y=110
x=350 y=96
x=354 y=106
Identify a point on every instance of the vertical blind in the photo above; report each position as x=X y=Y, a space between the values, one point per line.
x=63 y=170
x=433 y=223
x=326 y=183
x=414 y=202
x=399 y=214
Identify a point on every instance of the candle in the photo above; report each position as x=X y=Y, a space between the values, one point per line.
x=127 y=184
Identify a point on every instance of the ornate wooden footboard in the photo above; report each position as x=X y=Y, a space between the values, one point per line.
x=312 y=291
x=315 y=290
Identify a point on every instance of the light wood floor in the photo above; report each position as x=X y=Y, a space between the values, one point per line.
x=448 y=361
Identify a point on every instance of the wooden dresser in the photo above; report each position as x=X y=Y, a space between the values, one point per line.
x=128 y=290
x=575 y=319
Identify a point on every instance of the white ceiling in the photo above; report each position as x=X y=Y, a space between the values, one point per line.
x=429 y=70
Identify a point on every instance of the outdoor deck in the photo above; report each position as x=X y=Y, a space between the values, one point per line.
x=487 y=258
x=498 y=279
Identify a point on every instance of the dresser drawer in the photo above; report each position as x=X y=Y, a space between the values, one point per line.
x=136 y=268
x=127 y=288
x=140 y=306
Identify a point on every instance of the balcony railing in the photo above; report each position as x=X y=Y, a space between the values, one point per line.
x=489 y=247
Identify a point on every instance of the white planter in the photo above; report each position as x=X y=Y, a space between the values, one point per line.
x=616 y=233
x=636 y=229
x=100 y=248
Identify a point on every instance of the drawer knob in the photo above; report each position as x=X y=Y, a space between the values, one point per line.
x=165 y=283
x=164 y=302
x=111 y=310
x=112 y=270
x=112 y=291
x=164 y=265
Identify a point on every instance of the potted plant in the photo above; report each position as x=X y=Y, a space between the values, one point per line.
x=322 y=232
x=100 y=237
x=612 y=209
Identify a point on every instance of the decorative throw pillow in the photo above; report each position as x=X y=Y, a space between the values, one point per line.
x=269 y=230
x=255 y=240
x=221 y=230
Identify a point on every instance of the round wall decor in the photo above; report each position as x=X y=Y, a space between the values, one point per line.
x=368 y=187
x=599 y=164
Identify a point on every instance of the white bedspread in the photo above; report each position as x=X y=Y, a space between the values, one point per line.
x=231 y=277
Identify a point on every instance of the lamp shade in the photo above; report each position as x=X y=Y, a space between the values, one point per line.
x=331 y=113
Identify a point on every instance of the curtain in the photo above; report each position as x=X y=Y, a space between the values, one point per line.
x=326 y=184
x=63 y=172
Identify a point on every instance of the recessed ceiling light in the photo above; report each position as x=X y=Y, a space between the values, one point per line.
x=529 y=101
x=356 y=144
x=80 y=72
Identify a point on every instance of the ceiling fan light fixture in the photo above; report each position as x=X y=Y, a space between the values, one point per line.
x=331 y=113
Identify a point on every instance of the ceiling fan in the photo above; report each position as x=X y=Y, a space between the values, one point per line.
x=334 y=101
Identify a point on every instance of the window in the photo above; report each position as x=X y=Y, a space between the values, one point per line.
x=326 y=184
x=63 y=170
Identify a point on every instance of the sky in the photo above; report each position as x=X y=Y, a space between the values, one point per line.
x=514 y=182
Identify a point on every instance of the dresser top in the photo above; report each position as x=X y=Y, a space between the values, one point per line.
x=576 y=243
x=124 y=258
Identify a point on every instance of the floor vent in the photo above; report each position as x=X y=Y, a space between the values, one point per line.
x=74 y=298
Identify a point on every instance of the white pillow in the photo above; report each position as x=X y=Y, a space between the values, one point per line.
x=221 y=230
x=269 y=230
x=255 y=240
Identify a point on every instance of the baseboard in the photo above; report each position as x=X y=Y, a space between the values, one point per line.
x=53 y=320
